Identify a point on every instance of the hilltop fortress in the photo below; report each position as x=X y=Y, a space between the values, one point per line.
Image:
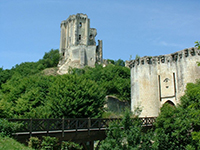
x=77 y=44
x=162 y=79
x=154 y=80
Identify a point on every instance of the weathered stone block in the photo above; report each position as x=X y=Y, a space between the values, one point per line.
x=77 y=44
x=162 y=79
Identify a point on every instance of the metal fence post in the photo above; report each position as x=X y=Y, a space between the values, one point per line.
x=76 y=125
x=63 y=127
x=89 y=125
x=47 y=127
x=99 y=123
x=30 y=132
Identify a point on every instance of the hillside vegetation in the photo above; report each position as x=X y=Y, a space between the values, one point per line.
x=33 y=90
x=7 y=143
x=27 y=91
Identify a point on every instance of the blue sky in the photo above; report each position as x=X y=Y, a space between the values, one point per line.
x=29 y=28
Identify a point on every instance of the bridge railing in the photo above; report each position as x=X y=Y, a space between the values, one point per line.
x=71 y=124
x=148 y=121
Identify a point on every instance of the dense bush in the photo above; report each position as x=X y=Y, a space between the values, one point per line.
x=73 y=96
x=68 y=145
x=115 y=79
x=50 y=143
x=178 y=128
x=27 y=93
x=34 y=142
x=7 y=128
x=127 y=135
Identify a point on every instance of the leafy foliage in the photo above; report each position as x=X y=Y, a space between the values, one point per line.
x=52 y=143
x=197 y=44
x=25 y=97
x=137 y=57
x=115 y=79
x=7 y=128
x=118 y=62
x=73 y=96
x=177 y=128
x=51 y=58
x=4 y=75
x=126 y=135
x=26 y=93
x=49 y=143
x=34 y=142
x=70 y=146
x=7 y=143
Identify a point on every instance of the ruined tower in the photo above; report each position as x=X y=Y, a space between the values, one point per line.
x=77 y=44
x=162 y=79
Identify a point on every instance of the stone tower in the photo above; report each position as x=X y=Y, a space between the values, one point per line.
x=162 y=79
x=77 y=44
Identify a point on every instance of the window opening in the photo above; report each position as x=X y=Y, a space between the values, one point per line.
x=80 y=24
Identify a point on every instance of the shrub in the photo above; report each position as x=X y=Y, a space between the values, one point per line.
x=49 y=143
x=70 y=146
x=34 y=142
x=7 y=128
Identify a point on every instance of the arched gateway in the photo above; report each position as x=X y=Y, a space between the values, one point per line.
x=160 y=79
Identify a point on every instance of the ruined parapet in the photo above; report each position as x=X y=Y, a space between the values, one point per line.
x=99 y=51
x=169 y=58
x=160 y=79
x=77 y=44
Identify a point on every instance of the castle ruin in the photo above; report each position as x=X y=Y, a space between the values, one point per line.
x=77 y=44
x=162 y=79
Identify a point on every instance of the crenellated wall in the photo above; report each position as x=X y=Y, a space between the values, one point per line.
x=160 y=79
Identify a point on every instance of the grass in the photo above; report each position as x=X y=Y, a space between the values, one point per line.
x=7 y=143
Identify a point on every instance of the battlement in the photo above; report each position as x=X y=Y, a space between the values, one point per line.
x=168 y=58
x=162 y=79
x=79 y=16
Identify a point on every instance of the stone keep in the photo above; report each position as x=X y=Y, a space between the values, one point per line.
x=162 y=79
x=77 y=44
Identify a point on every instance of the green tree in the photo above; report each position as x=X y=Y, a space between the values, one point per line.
x=25 y=92
x=5 y=75
x=127 y=135
x=115 y=79
x=197 y=44
x=177 y=128
x=110 y=61
x=51 y=58
x=137 y=57
x=119 y=62
x=25 y=97
x=74 y=96
x=165 y=125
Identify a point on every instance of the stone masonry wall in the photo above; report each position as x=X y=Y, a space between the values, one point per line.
x=160 y=79
x=77 y=44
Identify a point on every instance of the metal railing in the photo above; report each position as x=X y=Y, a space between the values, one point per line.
x=70 y=124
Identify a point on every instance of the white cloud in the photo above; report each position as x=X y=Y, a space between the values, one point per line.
x=164 y=43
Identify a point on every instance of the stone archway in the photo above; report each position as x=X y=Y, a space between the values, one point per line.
x=170 y=103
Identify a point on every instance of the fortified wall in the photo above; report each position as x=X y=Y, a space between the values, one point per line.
x=77 y=44
x=162 y=79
